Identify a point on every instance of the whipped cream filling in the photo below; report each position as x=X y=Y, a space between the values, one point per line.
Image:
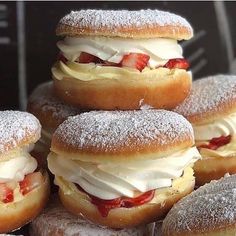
x=112 y=180
x=17 y=166
x=221 y=127
x=113 y=49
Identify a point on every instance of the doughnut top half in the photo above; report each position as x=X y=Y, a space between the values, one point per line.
x=126 y=133
x=211 y=98
x=17 y=129
x=123 y=23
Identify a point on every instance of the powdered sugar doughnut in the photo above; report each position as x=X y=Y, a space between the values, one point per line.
x=55 y=220
x=210 y=99
x=23 y=189
x=17 y=129
x=211 y=108
x=48 y=108
x=122 y=66
x=210 y=210
x=110 y=157
x=51 y=112
x=124 y=23
x=123 y=132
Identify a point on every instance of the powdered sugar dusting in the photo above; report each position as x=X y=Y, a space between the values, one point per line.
x=45 y=99
x=112 y=19
x=55 y=220
x=212 y=206
x=112 y=131
x=15 y=126
x=208 y=94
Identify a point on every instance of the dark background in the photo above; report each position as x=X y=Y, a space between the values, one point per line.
x=207 y=51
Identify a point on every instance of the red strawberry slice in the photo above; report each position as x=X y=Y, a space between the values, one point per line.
x=177 y=63
x=135 y=60
x=215 y=143
x=30 y=182
x=6 y=193
x=88 y=58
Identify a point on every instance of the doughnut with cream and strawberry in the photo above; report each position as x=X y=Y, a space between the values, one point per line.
x=23 y=189
x=122 y=59
x=123 y=168
x=211 y=108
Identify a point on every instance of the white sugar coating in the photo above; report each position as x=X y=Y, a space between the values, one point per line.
x=15 y=126
x=45 y=99
x=111 y=19
x=57 y=218
x=115 y=130
x=208 y=94
x=212 y=206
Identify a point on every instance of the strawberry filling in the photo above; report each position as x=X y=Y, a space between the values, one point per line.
x=132 y=60
x=104 y=206
x=177 y=63
x=30 y=182
x=215 y=143
x=6 y=193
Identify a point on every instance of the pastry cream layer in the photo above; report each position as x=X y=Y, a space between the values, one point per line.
x=91 y=71
x=112 y=180
x=113 y=49
x=222 y=127
x=16 y=165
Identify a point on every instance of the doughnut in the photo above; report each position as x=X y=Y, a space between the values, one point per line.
x=210 y=210
x=123 y=168
x=55 y=220
x=211 y=109
x=51 y=111
x=23 y=189
x=120 y=59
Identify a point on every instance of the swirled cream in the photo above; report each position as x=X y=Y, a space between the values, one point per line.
x=16 y=167
x=113 y=49
x=113 y=180
x=221 y=127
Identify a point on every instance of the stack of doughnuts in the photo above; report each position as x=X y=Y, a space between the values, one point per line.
x=126 y=164
x=211 y=108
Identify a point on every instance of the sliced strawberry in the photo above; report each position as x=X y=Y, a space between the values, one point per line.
x=135 y=60
x=215 y=143
x=6 y=193
x=104 y=206
x=30 y=182
x=177 y=63
x=61 y=57
x=88 y=58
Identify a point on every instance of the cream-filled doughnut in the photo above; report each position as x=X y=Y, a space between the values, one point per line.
x=23 y=189
x=208 y=211
x=122 y=59
x=51 y=112
x=56 y=220
x=211 y=108
x=122 y=169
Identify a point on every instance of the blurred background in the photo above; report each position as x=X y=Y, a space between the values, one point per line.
x=28 y=41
